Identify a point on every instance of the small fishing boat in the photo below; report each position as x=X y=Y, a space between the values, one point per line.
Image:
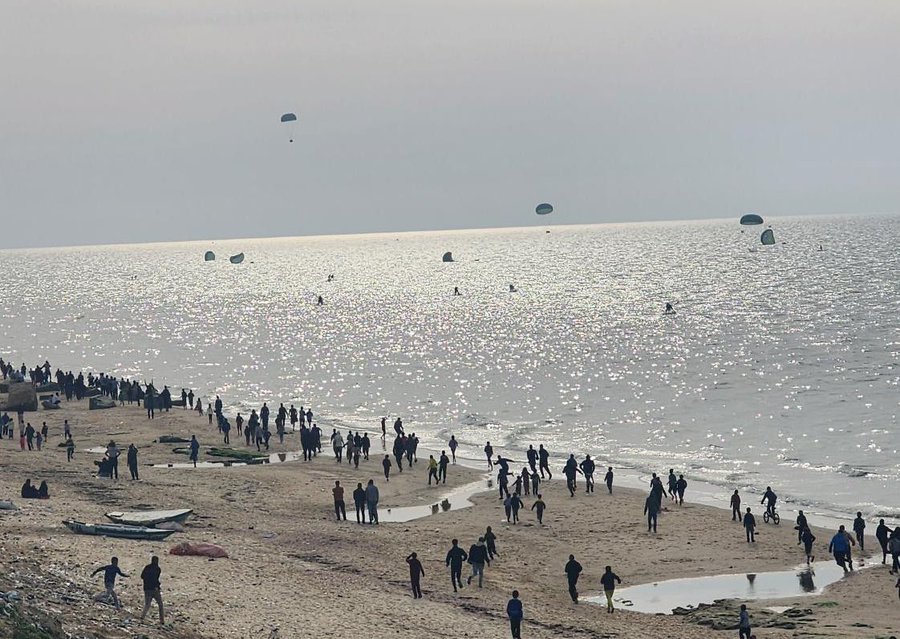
x=149 y=518
x=117 y=530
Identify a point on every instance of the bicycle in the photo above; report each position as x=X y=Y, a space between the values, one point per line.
x=773 y=516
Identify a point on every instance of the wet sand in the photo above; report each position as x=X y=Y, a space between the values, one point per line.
x=292 y=566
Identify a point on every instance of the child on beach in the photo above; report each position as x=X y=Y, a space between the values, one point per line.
x=539 y=506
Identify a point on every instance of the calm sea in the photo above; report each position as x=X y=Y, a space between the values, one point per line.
x=780 y=368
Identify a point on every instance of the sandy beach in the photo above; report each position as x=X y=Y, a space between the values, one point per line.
x=293 y=567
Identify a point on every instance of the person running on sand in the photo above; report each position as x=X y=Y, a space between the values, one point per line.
x=443 y=463
x=452 y=444
x=801 y=525
x=455 y=558
x=416 y=572
x=515 y=504
x=544 y=463
x=609 y=581
x=807 y=538
x=587 y=468
x=894 y=549
x=386 y=465
x=70 y=448
x=489 y=453
x=152 y=589
x=840 y=547
x=750 y=527
x=491 y=540
x=539 y=506
x=680 y=487
x=110 y=572
x=532 y=456
x=673 y=480
x=573 y=571
x=608 y=478
x=516 y=614
x=571 y=471
x=433 y=470
x=507 y=507
x=478 y=557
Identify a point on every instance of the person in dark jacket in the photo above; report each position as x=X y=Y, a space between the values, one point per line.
x=386 y=464
x=478 y=557
x=150 y=577
x=882 y=534
x=750 y=526
x=736 y=507
x=573 y=571
x=609 y=581
x=801 y=524
x=515 y=613
x=359 y=501
x=416 y=572
x=133 y=461
x=491 y=540
x=455 y=558
x=608 y=478
x=859 y=527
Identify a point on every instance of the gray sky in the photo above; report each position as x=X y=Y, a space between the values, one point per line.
x=148 y=120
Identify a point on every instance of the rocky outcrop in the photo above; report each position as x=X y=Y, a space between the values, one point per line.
x=21 y=398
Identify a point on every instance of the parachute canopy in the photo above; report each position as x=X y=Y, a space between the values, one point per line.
x=448 y=257
x=751 y=219
x=209 y=256
x=767 y=237
x=288 y=117
x=543 y=209
x=236 y=259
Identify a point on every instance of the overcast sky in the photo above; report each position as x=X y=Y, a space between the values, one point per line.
x=150 y=120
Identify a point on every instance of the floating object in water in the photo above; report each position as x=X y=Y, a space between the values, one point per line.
x=236 y=259
x=289 y=119
x=767 y=237
x=149 y=518
x=448 y=257
x=209 y=256
x=751 y=219
x=117 y=530
x=544 y=209
x=512 y=289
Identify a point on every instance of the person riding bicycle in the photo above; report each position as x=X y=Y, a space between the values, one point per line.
x=771 y=498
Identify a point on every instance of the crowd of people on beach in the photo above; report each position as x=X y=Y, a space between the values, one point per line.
x=355 y=448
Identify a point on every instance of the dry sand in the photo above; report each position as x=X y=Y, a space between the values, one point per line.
x=292 y=566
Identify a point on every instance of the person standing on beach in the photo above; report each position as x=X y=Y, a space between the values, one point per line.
x=651 y=509
x=489 y=453
x=452 y=444
x=443 y=463
x=535 y=483
x=544 y=463
x=744 y=623
x=366 y=445
x=539 y=506
x=190 y=398
x=608 y=478
x=516 y=614
x=609 y=581
x=416 y=572
x=339 y=507
x=309 y=417
x=383 y=428
x=359 y=501
x=110 y=572
x=337 y=445
x=292 y=413
x=736 y=506
x=195 y=450
x=894 y=549
x=264 y=416
x=587 y=468
x=573 y=571
x=455 y=558
x=882 y=534
x=152 y=589
x=386 y=465
x=859 y=527
x=133 y=461
x=112 y=453
x=750 y=527
x=478 y=557
x=372 y=501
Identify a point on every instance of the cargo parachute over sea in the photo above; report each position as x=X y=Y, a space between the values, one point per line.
x=544 y=209
x=751 y=219
x=290 y=121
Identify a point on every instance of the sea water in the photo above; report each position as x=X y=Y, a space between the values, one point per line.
x=780 y=367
